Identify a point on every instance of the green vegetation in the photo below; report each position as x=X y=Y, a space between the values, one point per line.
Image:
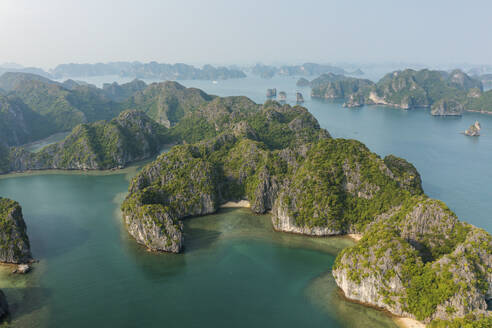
x=48 y=107
x=340 y=184
x=4 y=159
x=332 y=86
x=19 y=124
x=167 y=102
x=434 y=262
x=130 y=137
x=446 y=93
x=481 y=104
x=469 y=321
x=14 y=244
x=414 y=251
x=151 y=70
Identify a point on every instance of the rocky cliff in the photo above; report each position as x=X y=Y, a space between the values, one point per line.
x=14 y=243
x=338 y=186
x=312 y=184
x=418 y=260
x=331 y=86
x=415 y=258
x=445 y=93
x=447 y=107
x=473 y=130
x=245 y=160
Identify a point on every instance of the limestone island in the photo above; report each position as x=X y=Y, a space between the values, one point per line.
x=299 y=98
x=14 y=243
x=474 y=130
x=444 y=93
x=415 y=258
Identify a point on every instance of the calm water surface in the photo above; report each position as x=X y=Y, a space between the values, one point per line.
x=454 y=168
x=235 y=270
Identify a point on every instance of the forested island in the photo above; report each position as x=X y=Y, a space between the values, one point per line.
x=414 y=258
x=306 y=69
x=150 y=70
x=445 y=93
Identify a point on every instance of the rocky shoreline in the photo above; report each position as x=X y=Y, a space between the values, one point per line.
x=318 y=186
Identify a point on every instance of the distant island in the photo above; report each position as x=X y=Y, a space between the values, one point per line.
x=445 y=93
x=151 y=70
x=306 y=69
x=414 y=257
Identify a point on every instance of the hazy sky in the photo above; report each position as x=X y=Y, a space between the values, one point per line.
x=48 y=32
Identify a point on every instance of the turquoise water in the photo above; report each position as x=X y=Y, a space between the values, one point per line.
x=235 y=271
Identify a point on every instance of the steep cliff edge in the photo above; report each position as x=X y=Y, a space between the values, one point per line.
x=279 y=160
x=419 y=261
x=339 y=186
x=14 y=243
x=415 y=258
x=248 y=159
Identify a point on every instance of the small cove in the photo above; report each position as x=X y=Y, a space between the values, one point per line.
x=235 y=269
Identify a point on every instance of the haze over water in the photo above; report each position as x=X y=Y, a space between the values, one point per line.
x=235 y=270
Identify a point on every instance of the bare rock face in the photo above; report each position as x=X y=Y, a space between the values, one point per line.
x=419 y=261
x=354 y=100
x=156 y=228
x=334 y=177
x=265 y=193
x=14 y=243
x=404 y=172
x=373 y=273
x=177 y=185
x=447 y=107
x=283 y=220
x=474 y=130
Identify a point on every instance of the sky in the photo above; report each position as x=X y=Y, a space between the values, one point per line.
x=50 y=32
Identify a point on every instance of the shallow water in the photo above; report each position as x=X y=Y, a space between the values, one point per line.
x=235 y=271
